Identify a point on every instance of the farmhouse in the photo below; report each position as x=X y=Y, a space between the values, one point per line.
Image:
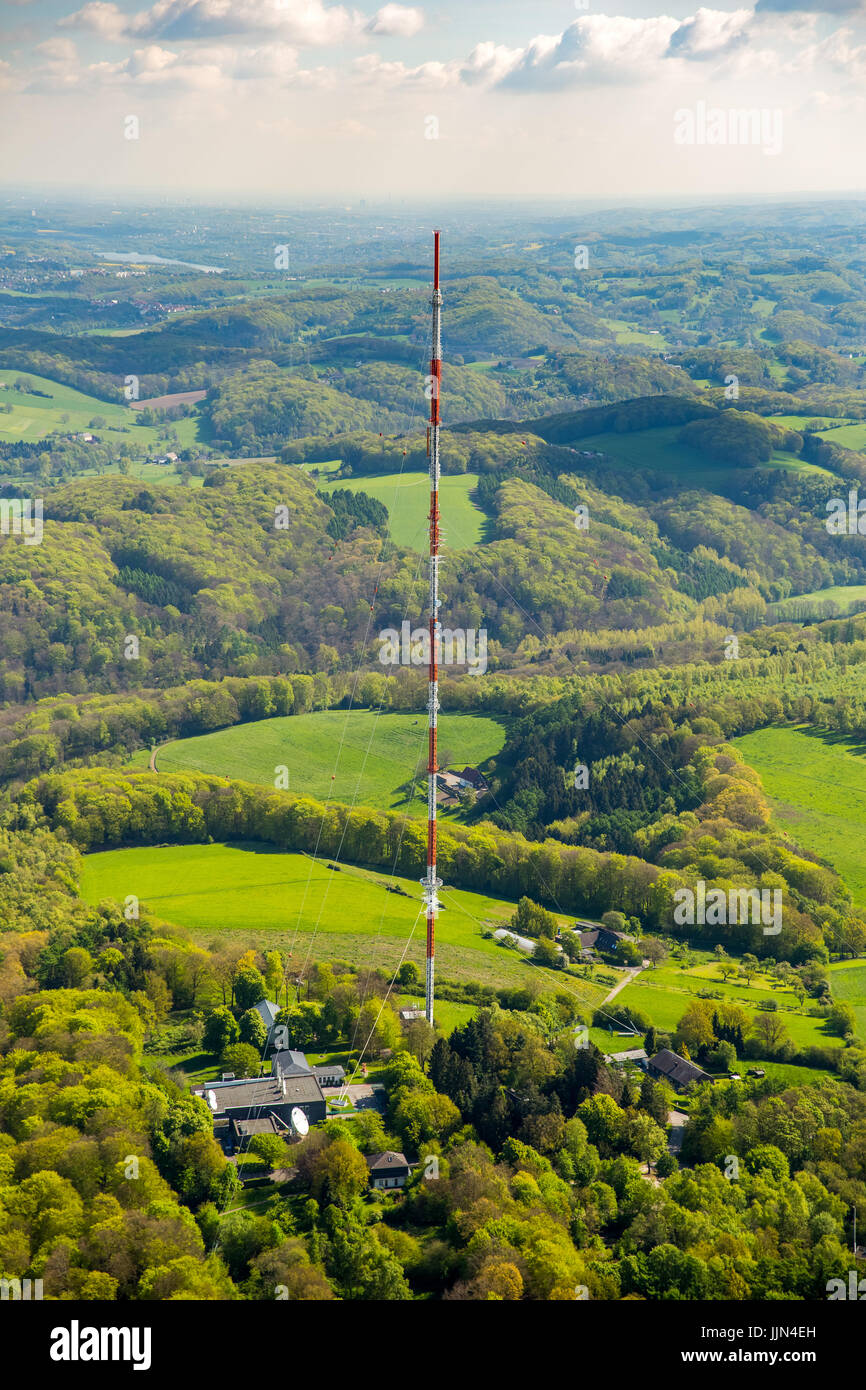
x=452 y=781
x=602 y=939
x=474 y=778
x=669 y=1067
x=451 y=784
x=388 y=1169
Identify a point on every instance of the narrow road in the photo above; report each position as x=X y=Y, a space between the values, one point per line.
x=154 y=751
x=676 y=1120
x=630 y=975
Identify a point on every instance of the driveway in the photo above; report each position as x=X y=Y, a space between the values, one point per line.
x=677 y=1121
x=629 y=976
x=361 y=1097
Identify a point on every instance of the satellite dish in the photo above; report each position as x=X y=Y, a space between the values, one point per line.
x=300 y=1123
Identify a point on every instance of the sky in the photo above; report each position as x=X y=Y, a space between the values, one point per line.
x=301 y=99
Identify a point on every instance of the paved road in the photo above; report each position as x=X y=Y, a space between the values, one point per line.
x=677 y=1121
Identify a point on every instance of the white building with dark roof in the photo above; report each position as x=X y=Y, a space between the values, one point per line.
x=388 y=1169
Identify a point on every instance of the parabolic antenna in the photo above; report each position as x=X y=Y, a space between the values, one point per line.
x=300 y=1123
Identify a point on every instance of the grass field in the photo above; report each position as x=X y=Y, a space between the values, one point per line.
x=262 y=897
x=372 y=755
x=849 y=436
x=658 y=450
x=407 y=497
x=838 y=600
x=328 y=466
x=628 y=336
x=665 y=993
x=71 y=411
x=789 y=1072
x=447 y=1014
x=797 y=422
x=818 y=788
x=665 y=1008
x=706 y=975
x=848 y=983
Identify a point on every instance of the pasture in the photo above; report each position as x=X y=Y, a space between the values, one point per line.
x=848 y=983
x=407 y=497
x=658 y=450
x=666 y=1006
x=817 y=784
x=68 y=411
x=852 y=436
x=258 y=896
x=354 y=756
x=836 y=601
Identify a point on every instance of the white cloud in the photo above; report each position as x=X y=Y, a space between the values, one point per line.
x=212 y=68
x=595 y=48
x=838 y=52
x=98 y=17
x=490 y=63
x=373 y=70
x=308 y=23
x=617 y=49
x=396 y=21
x=709 y=33
x=57 y=51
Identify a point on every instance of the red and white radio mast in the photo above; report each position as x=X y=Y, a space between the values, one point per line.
x=431 y=883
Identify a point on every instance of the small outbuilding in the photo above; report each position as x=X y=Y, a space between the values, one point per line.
x=267 y=1011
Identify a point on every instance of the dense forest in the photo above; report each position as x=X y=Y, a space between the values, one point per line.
x=639 y=460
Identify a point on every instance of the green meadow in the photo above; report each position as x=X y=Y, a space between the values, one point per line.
x=818 y=788
x=370 y=757
x=33 y=417
x=665 y=993
x=798 y=422
x=629 y=336
x=851 y=436
x=448 y=1015
x=261 y=897
x=659 y=450
x=407 y=497
x=838 y=600
x=848 y=983
x=70 y=411
x=665 y=1008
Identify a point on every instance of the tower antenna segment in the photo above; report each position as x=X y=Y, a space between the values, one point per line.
x=431 y=884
